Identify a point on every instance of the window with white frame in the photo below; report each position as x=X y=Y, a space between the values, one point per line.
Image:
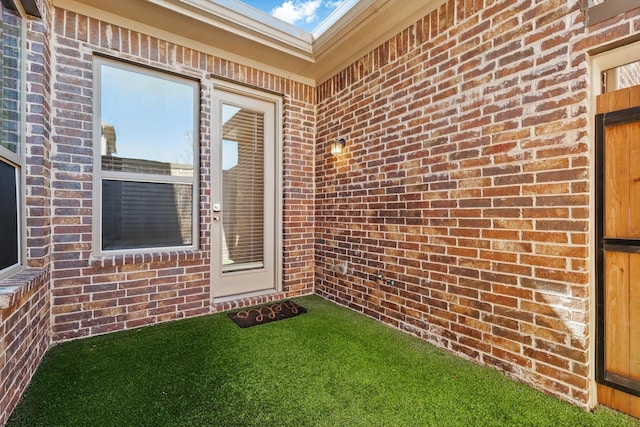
x=146 y=158
x=11 y=78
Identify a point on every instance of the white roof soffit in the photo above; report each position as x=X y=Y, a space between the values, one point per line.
x=249 y=36
x=245 y=21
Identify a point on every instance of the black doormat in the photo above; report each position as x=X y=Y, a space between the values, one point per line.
x=266 y=313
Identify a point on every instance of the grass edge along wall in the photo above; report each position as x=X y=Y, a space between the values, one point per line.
x=466 y=186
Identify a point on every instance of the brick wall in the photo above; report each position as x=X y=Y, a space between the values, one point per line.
x=92 y=296
x=24 y=334
x=465 y=184
x=25 y=330
x=38 y=139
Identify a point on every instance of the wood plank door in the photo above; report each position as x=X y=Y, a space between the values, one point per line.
x=618 y=263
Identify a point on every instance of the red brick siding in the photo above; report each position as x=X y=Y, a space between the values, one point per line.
x=38 y=141
x=93 y=296
x=24 y=336
x=25 y=330
x=466 y=182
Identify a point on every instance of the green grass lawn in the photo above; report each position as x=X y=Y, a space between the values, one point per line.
x=329 y=367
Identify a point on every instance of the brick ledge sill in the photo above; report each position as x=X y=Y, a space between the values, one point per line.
x=14 y=287
x=112 y=260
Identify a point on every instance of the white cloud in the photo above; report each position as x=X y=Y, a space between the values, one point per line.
x=294 y=11
x=333 y=4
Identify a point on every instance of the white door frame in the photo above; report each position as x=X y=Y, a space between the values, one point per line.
x=220 y=88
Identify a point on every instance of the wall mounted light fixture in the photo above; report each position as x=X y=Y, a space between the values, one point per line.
x=337 y=146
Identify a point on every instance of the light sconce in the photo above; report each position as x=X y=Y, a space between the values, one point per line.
x=337 y=146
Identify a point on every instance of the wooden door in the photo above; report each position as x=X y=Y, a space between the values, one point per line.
x=618 y=229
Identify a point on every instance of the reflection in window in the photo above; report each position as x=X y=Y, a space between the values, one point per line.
x=10 y=44
x=9 y=244
x=11 y=76
x=146 y=215
x=243 y=189
x=622 y=77
x=148 y=121
x=229 y=147
x=229 y=154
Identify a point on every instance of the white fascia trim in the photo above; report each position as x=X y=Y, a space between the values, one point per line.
x=235 y=7
x=75 y=6
x=340 y=19
x=333 y=18
x=235 y=17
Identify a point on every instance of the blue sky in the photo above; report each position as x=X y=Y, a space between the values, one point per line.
x=153 y=117
x=305 y=14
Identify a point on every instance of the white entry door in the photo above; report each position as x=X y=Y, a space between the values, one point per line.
x=245 y=194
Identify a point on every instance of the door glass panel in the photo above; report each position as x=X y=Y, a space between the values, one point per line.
x=242 y=189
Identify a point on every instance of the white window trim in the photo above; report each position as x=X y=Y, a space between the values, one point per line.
x=18 y=159
x=99 y=176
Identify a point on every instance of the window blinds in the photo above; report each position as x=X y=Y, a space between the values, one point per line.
x=243 y=192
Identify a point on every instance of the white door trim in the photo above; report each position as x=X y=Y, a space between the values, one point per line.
x=275 y=100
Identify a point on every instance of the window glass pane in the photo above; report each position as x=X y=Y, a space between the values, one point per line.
x=229 y=154
x=9 y=249
x=243 y=189
x=10 y=44
x=146 y=215
x=147 y=123
x=622 y=77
